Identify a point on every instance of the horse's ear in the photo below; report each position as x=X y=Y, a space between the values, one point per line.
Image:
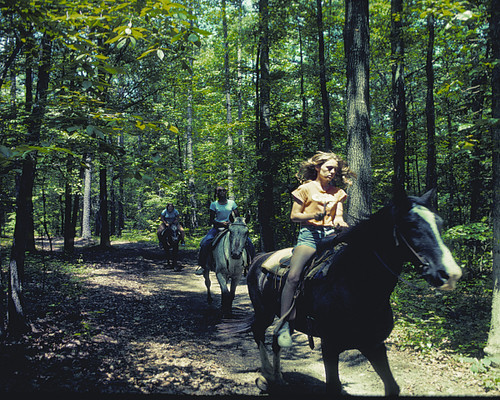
x=401 y=200
x=429 y=198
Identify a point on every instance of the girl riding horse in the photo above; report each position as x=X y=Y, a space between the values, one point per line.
x=317 y=206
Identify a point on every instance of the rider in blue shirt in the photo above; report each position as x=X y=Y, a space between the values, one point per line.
x=171 y=216
x=222 y=213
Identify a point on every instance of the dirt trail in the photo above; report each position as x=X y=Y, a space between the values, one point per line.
x=140 y=328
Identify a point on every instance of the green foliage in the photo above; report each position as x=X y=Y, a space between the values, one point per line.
x=456 y=323
x=486 y=368
x=472 y=247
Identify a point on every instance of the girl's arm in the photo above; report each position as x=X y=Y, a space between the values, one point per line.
x=297 y=214
x=338 y=220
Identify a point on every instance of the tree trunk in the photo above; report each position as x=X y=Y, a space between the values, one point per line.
x=493 y=345
x=87 y=187
x=431 y=172
x=229 y=119
x=44 y=218
x=103 y=208
x=240 y=102
x=325 y=101
x=302 y=90
x=16 y=322
x=477 y=190
x=121 y=211
x=399 y=121
x=189 y=154
x=356 y=42
x=112 y=205
x=69 y=240
x=263 y=144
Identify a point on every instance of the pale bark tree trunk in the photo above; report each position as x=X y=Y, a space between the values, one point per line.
x=263 y=143
x=399 y=121
x=356 y=46
x=240 y=102
x=189 y=155
x=302 y=90
x=325 y=100
x=69 y=240
x=87 y=190
x=493 y=345
x=431 y=172
x=229 y=119
x=103 y=208
x=112 y=204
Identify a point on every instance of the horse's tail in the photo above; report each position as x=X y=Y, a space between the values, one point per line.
x=236 y=326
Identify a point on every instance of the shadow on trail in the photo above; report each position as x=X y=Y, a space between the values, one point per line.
x=135 y=327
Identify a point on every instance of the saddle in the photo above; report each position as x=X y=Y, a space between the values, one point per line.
x=222 y=232
x=278 y=264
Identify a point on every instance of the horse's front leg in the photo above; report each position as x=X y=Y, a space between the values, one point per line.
x=331 y=362
x=225 y=295
x=206 y=275
x=175 y=257
x=377 y=355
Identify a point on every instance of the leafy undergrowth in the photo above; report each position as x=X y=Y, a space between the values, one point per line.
x=452 y=325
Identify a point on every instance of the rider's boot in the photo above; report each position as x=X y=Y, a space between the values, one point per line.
x=202 y=259
x=200 y=270
x=284 y=337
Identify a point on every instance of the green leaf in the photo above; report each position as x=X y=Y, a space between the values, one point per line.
x=193 y=38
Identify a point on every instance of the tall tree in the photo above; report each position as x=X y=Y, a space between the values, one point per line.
x=105 y=240
x=493 y=345
x=263 y=137
x=399 y=119
x=227 y=90
x=16 y=319
x=356 y=48
x=431 y=171
x=325 y=101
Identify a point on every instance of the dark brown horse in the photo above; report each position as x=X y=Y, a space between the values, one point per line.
x=348 y=306
x=169 y=236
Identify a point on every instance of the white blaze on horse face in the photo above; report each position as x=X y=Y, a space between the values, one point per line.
x=452 y=269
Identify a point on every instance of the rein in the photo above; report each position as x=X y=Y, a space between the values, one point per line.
x=412 y=250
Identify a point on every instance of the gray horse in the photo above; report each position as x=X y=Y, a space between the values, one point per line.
x=229 y=259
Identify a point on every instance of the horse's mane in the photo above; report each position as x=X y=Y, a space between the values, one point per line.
x=362 y=231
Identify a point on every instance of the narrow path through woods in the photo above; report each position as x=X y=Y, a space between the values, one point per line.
x=140 y=328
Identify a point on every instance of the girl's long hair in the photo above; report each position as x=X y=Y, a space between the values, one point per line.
x=344 y=176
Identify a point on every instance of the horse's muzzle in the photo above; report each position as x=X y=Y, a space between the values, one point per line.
x=441 y=279
x=436 y=278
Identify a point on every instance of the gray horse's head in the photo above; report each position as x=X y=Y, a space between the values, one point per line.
x=238 y=234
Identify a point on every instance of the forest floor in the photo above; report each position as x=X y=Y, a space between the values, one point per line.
x=133 y=326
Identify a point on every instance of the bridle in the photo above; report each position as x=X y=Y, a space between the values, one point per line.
x=422 y=262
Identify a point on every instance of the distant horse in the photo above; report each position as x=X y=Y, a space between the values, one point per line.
x=230 y=258
x=346 y=303
x=168 y=237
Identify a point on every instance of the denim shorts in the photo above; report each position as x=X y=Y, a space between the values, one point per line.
x=310 y=235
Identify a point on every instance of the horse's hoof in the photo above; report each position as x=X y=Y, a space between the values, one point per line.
x=262 y=384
